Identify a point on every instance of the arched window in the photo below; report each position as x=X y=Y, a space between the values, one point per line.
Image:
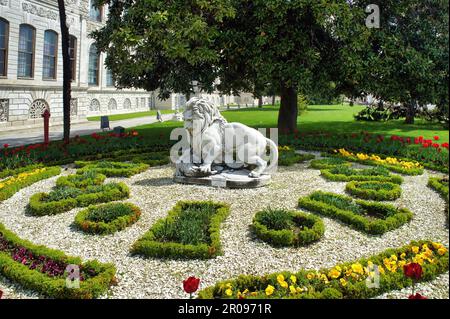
x=94 y=61
x=27 y=35
x=95 y=13
x=4 y=37
x=73 y=56
x=50 y=54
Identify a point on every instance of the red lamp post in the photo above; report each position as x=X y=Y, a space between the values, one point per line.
x=46 y=116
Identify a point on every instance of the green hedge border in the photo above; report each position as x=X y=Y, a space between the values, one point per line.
x=9 y=190
x=287 y=237
x=38 y=207
x=354 y=188
x=396 y=217
x=435 y=184
x=67 y=181
x=120 y=169
x=105 y=228
x=334 y=290
x=323 y=163
x=149 y=247
x=291 y=158
x=49 y=286
x=326 y=173
x=9 y=172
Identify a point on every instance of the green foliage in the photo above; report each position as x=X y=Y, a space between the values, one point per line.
x=345 y=174
x=374 y=114
x=374 y=190
x=10 y=172
x=290 y=157
x=369 y=217
x=10 y=189
x=302 y=104
x=111 y=169
x=317 y=289
x=108 y=218
x=54 y=287
x=327 y=163
x=190 y=231
x=87 y=178
x=287 y=228
x=440 y=185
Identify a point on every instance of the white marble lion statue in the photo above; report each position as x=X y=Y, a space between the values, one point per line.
x=215 y=141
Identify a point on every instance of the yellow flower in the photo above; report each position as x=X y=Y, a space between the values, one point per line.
x=229 y=292
x=269 y=290
x=310 y=276
x=292 y=289
x=394 y=257
x=280 y=278
x=437 y=245
x=334 y=273
x=403 y=256
x=357 y=268
x=381 y=270
x=293 y=279
x=442 y=251
x=343 y=282
x=299 y=290
x=415 y=249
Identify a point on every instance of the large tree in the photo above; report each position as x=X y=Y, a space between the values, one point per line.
x=250 y=45
x=407 y=57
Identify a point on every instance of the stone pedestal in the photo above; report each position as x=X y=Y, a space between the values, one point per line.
x=227 y=179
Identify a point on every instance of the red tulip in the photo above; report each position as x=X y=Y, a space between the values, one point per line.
x=5 y=145
x=191 y=285
x=435 y=145
x=445 y=145
x=417 y=296
x=436 y=138
x=413 y=270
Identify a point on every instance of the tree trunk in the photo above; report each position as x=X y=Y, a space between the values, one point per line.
x=273 y=100
x=287 y=116
x=67 y=71
x=410 y=112
x=260 y=102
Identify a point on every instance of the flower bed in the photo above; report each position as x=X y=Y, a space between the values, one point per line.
x=107 y=218
x=287 y=228
x=190 y=231
x=87 y=178
x=63 y=199
x=288 y=156
x=343 y=281
x=12 y=185
x=111 y=169
x=327 y=163
x=10 y=172
x=374 y=190
x=391 y=163
x=45 y=270
x=369 y=217
x=347 y=174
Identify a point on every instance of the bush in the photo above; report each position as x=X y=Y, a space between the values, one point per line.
x=87 y=178
x=287 y=228
x=375 y=114
x=107 y=218
x=346 y=174
x=65 y=198
x=441 y=186
x=27 y=271
x=12 y=185
x=288 y=157
x=327 y=163
x=374 y=190
x=10 y=172
x=111 y=169
x=343 y=281
x=369 y=217
x=190 y=231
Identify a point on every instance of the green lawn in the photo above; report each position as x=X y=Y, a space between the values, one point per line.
x=325 y=118
x=118 y=117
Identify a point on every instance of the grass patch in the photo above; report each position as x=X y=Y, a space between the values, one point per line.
x=127 y=116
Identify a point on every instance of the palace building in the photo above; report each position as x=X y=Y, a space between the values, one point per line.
x=31 y=74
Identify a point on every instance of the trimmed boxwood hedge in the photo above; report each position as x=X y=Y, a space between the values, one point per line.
x=150 y=158
x=316 y=288
x=122 y=216
x=438 y=185
x=87 y=178
x=112 y=169
x=289 y=158
x=298 y=228
x=38 y=205
x=346 y=174
x=374 y=190
x=150 y=245
x=327 y=163
x=10 y=172
x=101 y=276
x=369 y=217
x=9 y=190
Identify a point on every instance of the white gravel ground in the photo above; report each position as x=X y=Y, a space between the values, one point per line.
x=155 y=193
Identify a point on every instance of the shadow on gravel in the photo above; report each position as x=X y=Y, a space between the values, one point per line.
x=165 y=181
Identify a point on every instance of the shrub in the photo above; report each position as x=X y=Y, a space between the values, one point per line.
x=370 y=217
x=190 y=231
x=343 y=281
x=440 y=185
x=87 y=178
x=374 y=190
x=346 y=174
x=107 y=218
x=327 y=163
x=44 y=270
x=287 y=228
x=111 y=169
x=288 y=156
x=66 y=198
x=12 y=185
x=10 y=172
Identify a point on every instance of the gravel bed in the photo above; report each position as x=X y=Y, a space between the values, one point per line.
x=155 y=193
